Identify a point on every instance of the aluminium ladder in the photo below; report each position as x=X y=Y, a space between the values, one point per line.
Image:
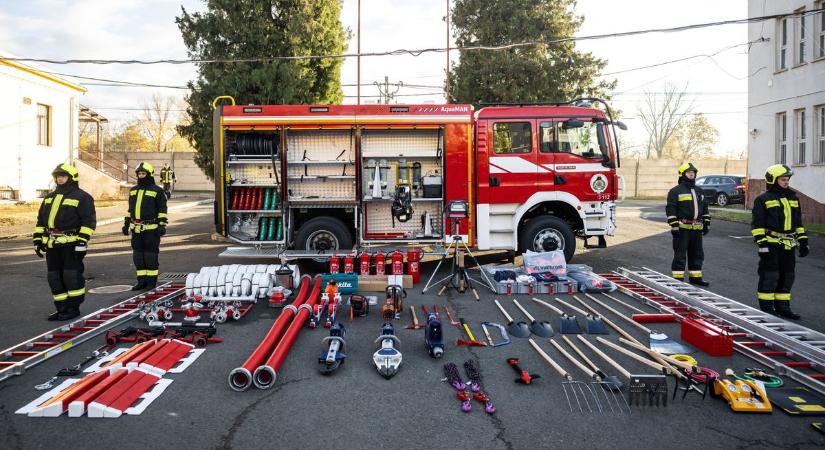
x=786 y=347
x=16 y=359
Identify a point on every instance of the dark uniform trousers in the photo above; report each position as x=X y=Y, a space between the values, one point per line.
x=776 y=274
x=687 y=247
x=145 y=249
x=64 y=268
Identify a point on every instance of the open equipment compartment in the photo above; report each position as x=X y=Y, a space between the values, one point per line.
x=254 y=188
x=321 y=167
x=394 y=165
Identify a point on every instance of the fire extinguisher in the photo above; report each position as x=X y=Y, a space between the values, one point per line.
x=334 y=264
x=397 y=262
x=413 y=264
x=365 y=263
x=380 y=269
x=349 y=264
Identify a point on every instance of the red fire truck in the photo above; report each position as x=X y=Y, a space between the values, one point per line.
x=309 y=179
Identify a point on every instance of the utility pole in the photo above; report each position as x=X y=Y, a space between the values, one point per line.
x=384 y=89
x=447 y=84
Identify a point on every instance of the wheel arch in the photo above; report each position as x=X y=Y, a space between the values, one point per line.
x=558 y=204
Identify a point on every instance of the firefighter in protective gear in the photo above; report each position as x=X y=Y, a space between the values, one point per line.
x=167 y=177
x=147 y=223
x=687 y=215
x=65 y=223
x=777 y=230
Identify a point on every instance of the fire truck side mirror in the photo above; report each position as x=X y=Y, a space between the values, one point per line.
x=572 y=123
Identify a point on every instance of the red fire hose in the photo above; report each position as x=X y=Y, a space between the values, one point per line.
x=240 y=378
x=266 y=374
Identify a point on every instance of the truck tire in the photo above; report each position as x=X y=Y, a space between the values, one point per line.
x=548 y=233
x=323 y=233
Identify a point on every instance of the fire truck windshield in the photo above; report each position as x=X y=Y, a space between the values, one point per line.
x=588 y=140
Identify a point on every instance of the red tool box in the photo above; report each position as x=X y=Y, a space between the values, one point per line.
x=707 y=336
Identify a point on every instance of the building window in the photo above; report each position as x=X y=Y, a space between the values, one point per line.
x=820 y=31
x=799 y=36
x=781 y=138
x=799 y=137
x=512 y=137
x=782 y=50
x=819 y=117
x=44 y=125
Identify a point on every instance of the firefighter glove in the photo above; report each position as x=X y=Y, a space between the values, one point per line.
x=161 y=230
x=38 y=249
x=125 y=230
x=804 y=249
x=705 y=228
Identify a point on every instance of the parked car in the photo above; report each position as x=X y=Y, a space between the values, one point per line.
x=723 y=189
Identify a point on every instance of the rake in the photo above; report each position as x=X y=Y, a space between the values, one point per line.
x=652 y=388
x=569 y=386
x=598 y=379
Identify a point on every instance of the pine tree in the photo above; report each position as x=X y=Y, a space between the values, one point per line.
x=535 y=73
x=237 y=29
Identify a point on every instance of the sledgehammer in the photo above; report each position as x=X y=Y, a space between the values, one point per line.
x=472 y=342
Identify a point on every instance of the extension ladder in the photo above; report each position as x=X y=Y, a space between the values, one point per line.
x=18 y=358
x=786 y=347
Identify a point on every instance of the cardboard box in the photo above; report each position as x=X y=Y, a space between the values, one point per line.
x=379 y=283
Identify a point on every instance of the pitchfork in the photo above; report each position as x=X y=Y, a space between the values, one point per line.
x=569 y=384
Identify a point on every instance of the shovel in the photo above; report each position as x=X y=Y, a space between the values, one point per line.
x=520 y=329
x=595 y=324
x=542 y=329
x=659 y=342
x=567 y=324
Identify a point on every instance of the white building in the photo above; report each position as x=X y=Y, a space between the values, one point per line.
x=38 y=128
x=786 y=98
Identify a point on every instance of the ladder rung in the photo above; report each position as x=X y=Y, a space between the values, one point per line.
x=795 y=333
x=754 y=343
x=95 y=321
x=7 y=363
x=122 y=310
x=23 y=353
x=44 y=344
x=64 y=336
x=816 y=343
x=108 y=315
x=777 y=353
x=817 y=376
x=799 y=364
x=81 y=328
x=738 y=335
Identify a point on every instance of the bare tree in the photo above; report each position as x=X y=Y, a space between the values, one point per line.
x=159 y=121
x=661 y=114
x=693 y=139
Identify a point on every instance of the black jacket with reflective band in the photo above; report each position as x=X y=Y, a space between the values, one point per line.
x=167 y=175
x=777 y=216
x=147 y=203
x=685 y=202
x=66 y=209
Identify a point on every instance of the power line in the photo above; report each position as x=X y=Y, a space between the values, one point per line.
x=418 y=52
x=687 y=58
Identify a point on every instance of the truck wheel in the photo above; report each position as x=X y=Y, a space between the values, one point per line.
x=547 y=233
x=323 y=234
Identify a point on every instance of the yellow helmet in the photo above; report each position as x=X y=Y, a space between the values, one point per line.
x=687 y=167
x=145 y=167
x=66 y=169
x=777 y=170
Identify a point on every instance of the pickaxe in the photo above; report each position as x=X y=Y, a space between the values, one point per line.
x=414 y=325
x=450 y=316
x=472 y=342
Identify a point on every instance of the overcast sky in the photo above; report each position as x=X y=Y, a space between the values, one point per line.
x=145 y=29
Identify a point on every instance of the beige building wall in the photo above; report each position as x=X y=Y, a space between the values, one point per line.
x=654 y=177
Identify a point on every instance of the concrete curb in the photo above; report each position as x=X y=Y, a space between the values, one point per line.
x=118 y=219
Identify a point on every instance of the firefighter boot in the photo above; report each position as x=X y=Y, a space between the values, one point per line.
x=698 y=281
x=767 y=306
x=783 y=309
x=150 y=282
x=60 y=308
x=141 y=284
x=71 y=309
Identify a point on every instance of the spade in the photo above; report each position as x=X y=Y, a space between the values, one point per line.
x=519 y=329
x=567 y=324
x=542 y=329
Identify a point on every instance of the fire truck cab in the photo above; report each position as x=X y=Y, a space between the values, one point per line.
x=302 y=180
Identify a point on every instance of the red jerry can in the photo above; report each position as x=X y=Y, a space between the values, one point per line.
x=349 y=264
x=414 y=264
x=364 y=260
x=380 y=268
x=334 y=264
x=397 y=262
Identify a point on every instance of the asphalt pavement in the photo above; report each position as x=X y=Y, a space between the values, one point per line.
x=355 y=407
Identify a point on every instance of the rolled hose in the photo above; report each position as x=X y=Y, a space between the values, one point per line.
x=240 y=378
x=266 y=375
